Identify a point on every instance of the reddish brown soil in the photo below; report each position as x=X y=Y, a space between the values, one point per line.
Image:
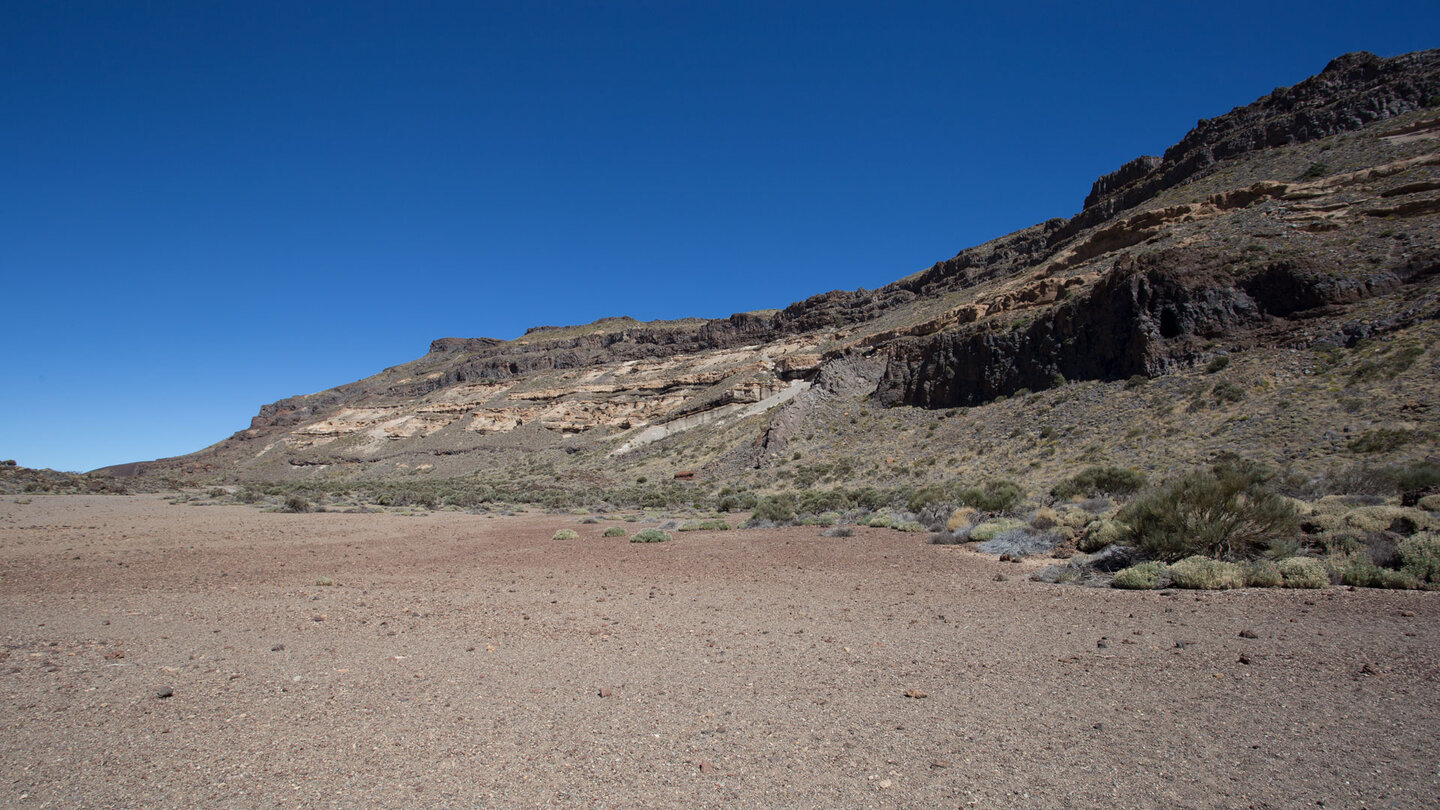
x=459 y=661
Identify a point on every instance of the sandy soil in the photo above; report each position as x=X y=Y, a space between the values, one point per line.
x=468 y=661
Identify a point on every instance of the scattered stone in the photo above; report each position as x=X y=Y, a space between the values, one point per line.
x=915 y=693
x=1000 y=578
x=277 y=648
x=706 y=767
x=165 y=693
x=1101 y=644
x=1248 y=634
x=606 y=692
x=1243 y=659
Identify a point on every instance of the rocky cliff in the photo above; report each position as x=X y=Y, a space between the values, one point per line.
x=1303 y=222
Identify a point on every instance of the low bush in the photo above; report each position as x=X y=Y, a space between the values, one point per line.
x=614 y=531
x=910 y=526
x=1227 y=512
x=1203 y=573
x=1262 y=574
x=704 y=526
x=731 y=501
x=1227 y=391
x=962 y=517
x=1303 y=572
x=1100 y=480
x=1420 y=557
x=298 y=503
x=566 y=534
x=650 y=536
x=1101 y=533
x=775 y=508
x=1217 y=364
x=1146 y=576
x=838 y=531
x=990 y=529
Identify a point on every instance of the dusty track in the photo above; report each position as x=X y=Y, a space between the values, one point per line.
x=459 y=662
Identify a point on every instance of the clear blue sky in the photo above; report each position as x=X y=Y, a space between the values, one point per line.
x=208 y=206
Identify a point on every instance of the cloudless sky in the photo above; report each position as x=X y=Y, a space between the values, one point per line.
x=207 y=206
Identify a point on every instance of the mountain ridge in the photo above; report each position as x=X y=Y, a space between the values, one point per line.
x=1237 y=232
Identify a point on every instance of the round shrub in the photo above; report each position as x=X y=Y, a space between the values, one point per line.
x=1146 y=576
x=1203 y=573
x=991 y=529
x=1228 y=512
x=1262 y=574
x=962 y=517
x=1303 y=572
x=566 y=534
x=1420 y=556
x=614 y=531
x=1101 y=533
x=650 y=536
x=775 y=508
x=1105 y=480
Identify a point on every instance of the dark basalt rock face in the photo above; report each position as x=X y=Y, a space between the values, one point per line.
x=1354 y=90
x=1139 y=319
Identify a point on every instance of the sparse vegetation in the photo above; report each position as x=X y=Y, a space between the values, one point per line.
x=1099 y=480
x=1203 y=573
x=613 y=531
x=1143 y=577
x=1228 y=512
x=650 y=536
x=566 y=534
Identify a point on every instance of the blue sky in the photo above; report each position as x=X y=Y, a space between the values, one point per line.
x=208 y=206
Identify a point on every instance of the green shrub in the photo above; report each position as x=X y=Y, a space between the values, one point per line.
x=249 y=495
x=990 y=529
x=650 y=536
x=775 y=508
x=1099 y=480
x=1217 y=364
x=1400 y=580
x=1420 y=475
x=1146 y=576
x=880 y=521
x=736 y=501
x=910 y=526
x=1228 y=512
x=1203 y=573
x=1226 y=391
x=1303 y=572
x=1262 y=574
x=614 y=531
x=1355 y=569
x=1316 y=170
x=1420 y=557
x=705 y=526
x=298 y=503
x=1101 y=533
x=566 y=534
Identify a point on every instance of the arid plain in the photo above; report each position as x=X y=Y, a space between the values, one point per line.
x=461 y=660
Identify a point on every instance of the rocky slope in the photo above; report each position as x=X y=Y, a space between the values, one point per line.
x=1296 y=235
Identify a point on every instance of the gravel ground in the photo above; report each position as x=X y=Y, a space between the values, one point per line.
x=468 y=661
